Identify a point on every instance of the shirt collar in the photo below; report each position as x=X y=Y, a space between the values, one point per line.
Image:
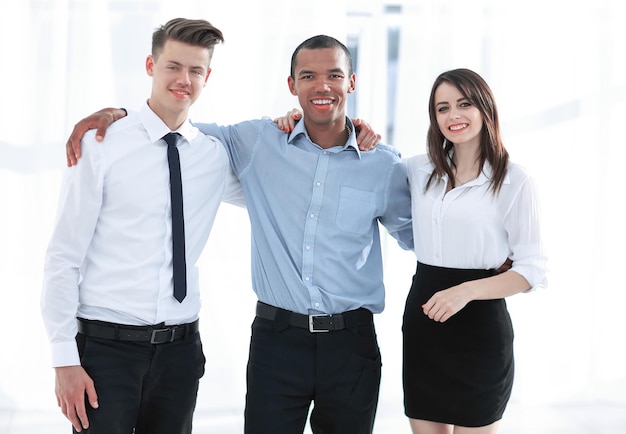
x=483 y=177
x=351 y=144
x=156 y=128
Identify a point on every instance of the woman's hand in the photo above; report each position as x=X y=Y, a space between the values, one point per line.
x=366 y=137
x=287 y=122
x=446 y=303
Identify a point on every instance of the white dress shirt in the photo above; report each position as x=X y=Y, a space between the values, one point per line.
x=110 y=256
x=470 y=228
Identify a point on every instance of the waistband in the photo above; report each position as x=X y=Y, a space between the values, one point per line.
x=318 y=323
x=154 y=334
x=459 y=273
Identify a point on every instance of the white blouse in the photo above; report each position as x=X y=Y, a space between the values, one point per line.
x=469 y=227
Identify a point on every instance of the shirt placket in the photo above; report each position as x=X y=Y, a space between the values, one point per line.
x=437 y=229
x=310 y=231
x=440 y=207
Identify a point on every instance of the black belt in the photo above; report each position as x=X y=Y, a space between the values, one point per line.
x=313 y=323
x=156 y=334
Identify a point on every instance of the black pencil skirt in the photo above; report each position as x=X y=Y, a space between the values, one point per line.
x=460 y=371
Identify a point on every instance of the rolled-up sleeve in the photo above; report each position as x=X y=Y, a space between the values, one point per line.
x=522 y=224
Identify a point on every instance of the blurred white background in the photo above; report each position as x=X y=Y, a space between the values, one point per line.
x=558 y=71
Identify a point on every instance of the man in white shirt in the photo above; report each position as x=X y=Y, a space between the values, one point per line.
x=127 y=352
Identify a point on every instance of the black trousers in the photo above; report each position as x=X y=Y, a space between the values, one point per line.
x=289 y=368
x=142 y=388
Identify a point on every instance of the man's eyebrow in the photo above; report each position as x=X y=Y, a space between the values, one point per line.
x=333 y=70
x=174 y=62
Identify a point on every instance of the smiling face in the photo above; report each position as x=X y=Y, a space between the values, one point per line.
x=179 y=74
x=458 y=119
x=322 y=81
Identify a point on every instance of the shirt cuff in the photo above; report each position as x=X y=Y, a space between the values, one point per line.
x=64 y=354
x=534 y=276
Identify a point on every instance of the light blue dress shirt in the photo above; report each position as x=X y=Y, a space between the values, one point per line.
x=314 y=215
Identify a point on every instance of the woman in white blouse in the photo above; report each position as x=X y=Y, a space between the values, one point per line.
x=472 y=209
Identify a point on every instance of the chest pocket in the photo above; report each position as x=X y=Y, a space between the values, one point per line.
x=356 y=210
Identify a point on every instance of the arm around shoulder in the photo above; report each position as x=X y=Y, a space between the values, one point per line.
x=100 y=121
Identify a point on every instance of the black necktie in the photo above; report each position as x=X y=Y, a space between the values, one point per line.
x=178 y=223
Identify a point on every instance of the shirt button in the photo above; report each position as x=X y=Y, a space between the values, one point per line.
x=318 y=184
x=308 y=247
x=317 y=305
x=312 y=216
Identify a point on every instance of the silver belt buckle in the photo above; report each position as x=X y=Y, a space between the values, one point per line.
x=154 y=333
x=311 y=327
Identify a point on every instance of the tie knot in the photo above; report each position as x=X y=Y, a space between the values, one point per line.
x=171 y=138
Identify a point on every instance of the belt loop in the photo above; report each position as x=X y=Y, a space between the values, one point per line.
x=351 y=322
x=282 y=320
x=117 y=331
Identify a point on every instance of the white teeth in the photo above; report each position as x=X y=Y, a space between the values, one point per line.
x=458 y=127
x=322 y=101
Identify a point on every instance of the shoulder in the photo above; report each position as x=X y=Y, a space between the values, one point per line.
x=129 y=125
x=206 y=140
x=418 y=163
x=518 y=183
x=384 y=151
x=419 y=169
x=130 y=121
x=264 y=125
x=244 y=132
x=256 y=124
x=124 y=133
x=207 y=143
x=208 y=148
x=517 y=173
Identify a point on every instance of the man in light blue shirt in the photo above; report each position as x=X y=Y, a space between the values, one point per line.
x=314 y=213
x=315 y=203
